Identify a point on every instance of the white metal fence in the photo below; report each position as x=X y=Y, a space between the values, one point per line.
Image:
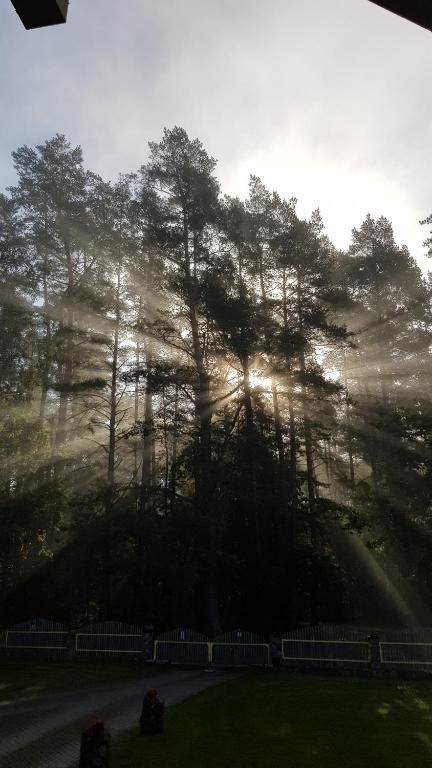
x=234 y=649
x=109 y=638
x=182 y=646
x=326 y=650
x=241 y=649
x=41 y=634
x=406 y=653
x=406 y=649
x=328 y=646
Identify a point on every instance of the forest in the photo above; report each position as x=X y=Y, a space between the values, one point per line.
x=210 y=416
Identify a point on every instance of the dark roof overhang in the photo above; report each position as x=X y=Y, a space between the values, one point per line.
x=418 y=11
x=41 y=13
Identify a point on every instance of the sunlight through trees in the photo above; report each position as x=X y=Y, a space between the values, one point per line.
x=209 y=414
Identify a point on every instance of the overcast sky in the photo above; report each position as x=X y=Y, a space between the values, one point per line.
x=329 y=101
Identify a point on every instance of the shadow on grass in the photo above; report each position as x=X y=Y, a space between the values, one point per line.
x=270 y=721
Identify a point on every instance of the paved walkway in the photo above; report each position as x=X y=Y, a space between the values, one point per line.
x=45 y=732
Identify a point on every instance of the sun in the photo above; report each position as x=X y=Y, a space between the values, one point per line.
x=258 y=381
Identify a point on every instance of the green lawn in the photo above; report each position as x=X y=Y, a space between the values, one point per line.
x=276 y=721
x=27 y=677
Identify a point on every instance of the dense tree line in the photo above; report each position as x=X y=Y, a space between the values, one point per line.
x=210 y=415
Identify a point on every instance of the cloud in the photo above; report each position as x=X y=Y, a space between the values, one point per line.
x=327 y=101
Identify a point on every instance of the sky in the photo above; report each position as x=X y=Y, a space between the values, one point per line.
x=328 y=101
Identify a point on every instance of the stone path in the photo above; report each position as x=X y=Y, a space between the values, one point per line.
x=45 y=732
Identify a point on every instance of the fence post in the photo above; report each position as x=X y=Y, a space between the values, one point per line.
x=375 y=654
x=149 y=643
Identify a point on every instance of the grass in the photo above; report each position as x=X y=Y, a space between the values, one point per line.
x=27 y=677
x=267 y=721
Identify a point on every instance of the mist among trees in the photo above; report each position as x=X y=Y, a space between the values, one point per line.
x=210 y=416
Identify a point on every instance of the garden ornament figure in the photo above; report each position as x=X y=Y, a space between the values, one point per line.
x=95 y=746
x=152 y=714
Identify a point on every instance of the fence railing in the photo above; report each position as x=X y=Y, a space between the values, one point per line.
x=32 y=639
x=357 y=652
x=180 y=646
x=38 y=634
x=112 y=638
x=92 y=642
x=222 y=654
x=328 y=646
x=241 y=654
x=234 y=649
x=406 y=653
x=182 y=652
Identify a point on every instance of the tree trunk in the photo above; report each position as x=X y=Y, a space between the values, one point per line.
x=278 y=428
x=292 y=469
x=67 y=363
x=113 y=390
x=252 y=490
x=173 y=479
x=349 y=429
x=109 y=503
x=66 y=370
x=261 y=278
x=136 y=403
x=310 y=472
x=48 y=340
x=370 y=443
x=203 y=474
x=166 y=454
x=147 y=457
x=48 y=350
